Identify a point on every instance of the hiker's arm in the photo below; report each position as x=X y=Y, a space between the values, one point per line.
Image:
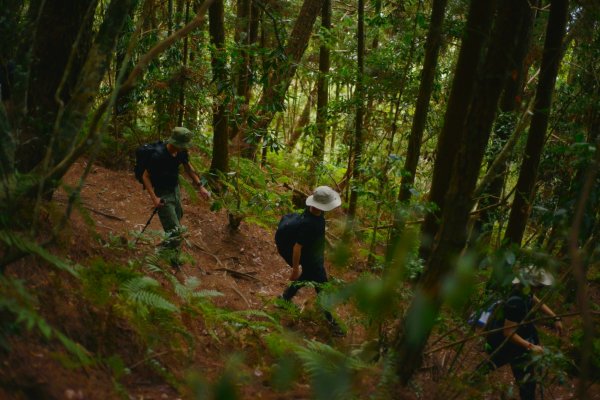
x=510 y=331
x=150 y=189
x=548 y=311
x=196 y=179
x=297 y=251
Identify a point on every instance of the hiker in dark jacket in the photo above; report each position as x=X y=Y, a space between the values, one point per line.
x=308 y=255
x=517 y=341
x=161 y=180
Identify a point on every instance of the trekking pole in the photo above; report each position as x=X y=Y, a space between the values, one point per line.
x=148 y=223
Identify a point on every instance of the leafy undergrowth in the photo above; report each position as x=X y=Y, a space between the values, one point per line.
x=123 y=324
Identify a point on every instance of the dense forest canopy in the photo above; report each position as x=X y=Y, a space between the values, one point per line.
x=462 y=136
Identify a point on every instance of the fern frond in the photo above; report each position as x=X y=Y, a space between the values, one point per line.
x=139 y=283
x=256 y=313
x=28 y=246
x=152 y=300
x=330 y=370
x=15 y=298
x=320 y=355
x=152 y=263
x=202 y=294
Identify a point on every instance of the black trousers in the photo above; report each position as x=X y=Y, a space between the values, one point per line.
x=313 y=274
x=522 y=369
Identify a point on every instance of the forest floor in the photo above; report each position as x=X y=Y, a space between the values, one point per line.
x=117 y=206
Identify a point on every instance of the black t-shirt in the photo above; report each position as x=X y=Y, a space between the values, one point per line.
x=311 y=235
x=515 y=308
x=164 y=169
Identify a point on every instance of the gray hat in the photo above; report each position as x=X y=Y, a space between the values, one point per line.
x=181 y=137
x=324 y=198
x=533 y=276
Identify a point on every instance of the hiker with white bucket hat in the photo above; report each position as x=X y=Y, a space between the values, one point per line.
x=300 y=239
x=518 y=340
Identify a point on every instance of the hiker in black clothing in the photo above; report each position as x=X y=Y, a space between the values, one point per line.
x=523 y=340
x=161 y=180
x=309 y=249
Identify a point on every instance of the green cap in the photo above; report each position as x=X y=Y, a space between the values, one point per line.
x=181 y=137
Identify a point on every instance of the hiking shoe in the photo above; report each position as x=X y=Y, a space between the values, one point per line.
x=337 y=330
x=283 y=304
x=176 y=265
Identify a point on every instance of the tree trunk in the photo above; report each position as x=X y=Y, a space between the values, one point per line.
x=432 y=49
x=509 y=105
x=524 y=193
x=463 y=86
x=60 y=47
x=248 y=16
x=358 y=134
x=285 y=68
x=322 y=93
x=183 y=75
x=472 y=138
x=302 y=122
x=220 y=155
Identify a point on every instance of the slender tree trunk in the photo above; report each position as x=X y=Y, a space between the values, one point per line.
x=524 y=193
x=184 y=72
x=432 y=49
x=273 y=97
x=358 y=135
x=302 y=122
x=334 y=128
x=248 y=15
x=322 y=92
x=463 y=86
x=220 y=155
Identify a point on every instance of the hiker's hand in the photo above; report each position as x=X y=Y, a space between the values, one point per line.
x=559 y=327
x=295 y=273
x=534 y=348
x=158 y=202
x=203 y=192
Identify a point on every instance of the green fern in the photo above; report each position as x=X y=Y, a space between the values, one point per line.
x=203 y=294
x=28 y=246
x=15 y=299
x=152 y=264
x=139 y=283
x=331 y=371
x=150 y=300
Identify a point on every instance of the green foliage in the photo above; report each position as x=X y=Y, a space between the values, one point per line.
x=142 y=291
x=331 y=371
x=577 y=350
x=249 y=192
x=17 y=242
x=17 y=302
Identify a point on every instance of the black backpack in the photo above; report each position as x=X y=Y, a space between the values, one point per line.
x=494 y=321
x=287 y=234
x=143 y=155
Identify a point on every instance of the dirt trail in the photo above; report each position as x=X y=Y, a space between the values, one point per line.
x=120 y=207
x=243 y=265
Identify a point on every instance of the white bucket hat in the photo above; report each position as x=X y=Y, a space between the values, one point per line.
x=533 y=276
x=324 y=198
